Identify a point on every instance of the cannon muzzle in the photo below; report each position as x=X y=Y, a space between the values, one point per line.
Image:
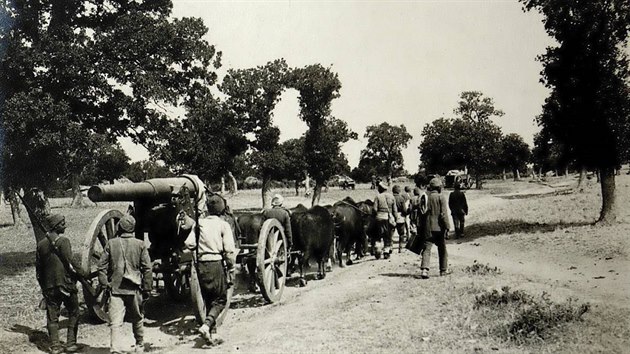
x=155 y=190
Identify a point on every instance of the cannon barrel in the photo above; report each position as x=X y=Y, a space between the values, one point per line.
x=155 y=190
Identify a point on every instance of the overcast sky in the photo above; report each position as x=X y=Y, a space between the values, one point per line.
x=404 y=62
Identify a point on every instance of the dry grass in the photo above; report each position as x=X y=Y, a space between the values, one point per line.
x=382 y=306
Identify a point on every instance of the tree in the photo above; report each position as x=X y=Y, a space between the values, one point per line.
x=588 y=74
x=440 y=150
x=515 y=154
x=384 y=148
x=206 y=142
x=318 y=86
x=106 y=67
x=478 y=135
x=471 y=140
x=295 y=165
x=253 y=95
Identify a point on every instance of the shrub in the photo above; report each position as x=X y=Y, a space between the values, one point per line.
x=482 y=269
x=535 y=321
x=522 y=317
x=504 y=297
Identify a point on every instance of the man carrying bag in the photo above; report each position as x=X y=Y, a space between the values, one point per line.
x=125 y=269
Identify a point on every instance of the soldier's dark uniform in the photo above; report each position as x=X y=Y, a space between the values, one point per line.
x=459 y=209
x=57 y=283
x=282 y=215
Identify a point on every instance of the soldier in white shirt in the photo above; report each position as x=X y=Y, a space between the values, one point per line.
x=215 y=255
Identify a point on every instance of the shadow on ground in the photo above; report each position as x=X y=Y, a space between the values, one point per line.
x=508 y=227
x=400 y=275
x=14 y=262
x=562 y=191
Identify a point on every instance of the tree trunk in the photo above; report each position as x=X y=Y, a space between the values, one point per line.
x=77 y=197
x=266 y=189
x=608 y=213
x=222 y=185
x=317 y=193
x=566 y=172
x=581 y=180
x=307 y=184
x=38 y=208
x=504 y=176
x=234 y=186
x=517 y=174
x=297 y=187
x=478 y=182
x=597 y=175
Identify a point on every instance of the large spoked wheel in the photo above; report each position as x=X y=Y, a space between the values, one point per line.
x=271 y=260
x=101 y=230
x=199 y=306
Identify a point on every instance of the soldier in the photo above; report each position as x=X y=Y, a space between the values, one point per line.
x=215 y=246
x=459 y=209
x=58 y=283
x=438 y=225
x=125 y=270
x=283 y=215
x=419 y=211
x=402 y=204
x=386 y=214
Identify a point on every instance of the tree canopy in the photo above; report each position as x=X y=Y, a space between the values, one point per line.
x=318 y=86
x=471 y=140
x=75 y=68
x=515 y=153
x=383 y=152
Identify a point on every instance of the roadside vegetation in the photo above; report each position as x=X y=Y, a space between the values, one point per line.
x=500 y=304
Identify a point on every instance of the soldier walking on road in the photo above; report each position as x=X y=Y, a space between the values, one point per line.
x=402 y=205
x=459 y=209
x=438 y=225
x=57 y=282
x=215 y=261
x=125 y=269
x=386 y=214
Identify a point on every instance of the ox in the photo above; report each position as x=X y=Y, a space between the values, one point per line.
x=369 y=225
x=250 y=225
x=313 y=235
x=349 y=229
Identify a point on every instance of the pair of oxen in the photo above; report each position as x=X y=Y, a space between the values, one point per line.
x=345 y=224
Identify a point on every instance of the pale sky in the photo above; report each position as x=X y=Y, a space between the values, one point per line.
x=404 y=62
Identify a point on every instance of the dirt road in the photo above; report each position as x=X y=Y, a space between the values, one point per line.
x=382 y=306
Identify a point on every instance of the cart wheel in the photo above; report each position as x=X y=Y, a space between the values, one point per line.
x=199 y=306
x=271 y=260
x=100 y=231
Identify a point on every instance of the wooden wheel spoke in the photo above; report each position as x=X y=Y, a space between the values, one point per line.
x=111 y=228
x=102 y=239
x=278 y=247
x=269 y=276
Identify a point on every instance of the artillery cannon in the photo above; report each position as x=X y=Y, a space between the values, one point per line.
x=156 y=204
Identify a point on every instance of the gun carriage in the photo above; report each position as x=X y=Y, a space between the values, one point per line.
x=156 y=204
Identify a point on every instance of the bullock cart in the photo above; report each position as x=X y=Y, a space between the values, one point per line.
x=156 y=204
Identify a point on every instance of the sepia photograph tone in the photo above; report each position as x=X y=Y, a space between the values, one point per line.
x=353 y=176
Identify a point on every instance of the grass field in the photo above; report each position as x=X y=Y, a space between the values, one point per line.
x=567 y=285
